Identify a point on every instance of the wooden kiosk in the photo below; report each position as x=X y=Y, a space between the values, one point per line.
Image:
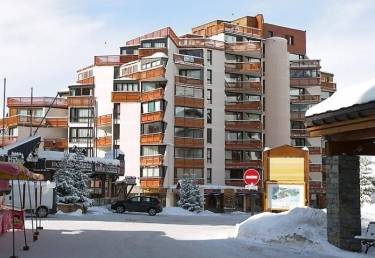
x=286 y=178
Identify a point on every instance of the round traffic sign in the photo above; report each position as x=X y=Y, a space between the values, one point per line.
x=251 y=177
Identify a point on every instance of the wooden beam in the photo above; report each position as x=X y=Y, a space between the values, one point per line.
x=362 y=147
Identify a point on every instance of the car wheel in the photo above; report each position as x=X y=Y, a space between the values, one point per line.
x=120 y=209
x=42 y=212
x=152 y=212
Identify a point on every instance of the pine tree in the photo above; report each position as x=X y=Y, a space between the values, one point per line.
x=366 y=180
x=190 y=197
x=71 y=179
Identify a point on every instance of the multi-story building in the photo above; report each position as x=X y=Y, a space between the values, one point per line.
x=202 y=105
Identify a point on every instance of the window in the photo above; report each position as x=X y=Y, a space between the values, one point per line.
x=195 y=74
x=188 y=153
x=126 y=87
x=209 y=155
x=155 y=127
x=149 y=86
x=147 y=45
x=241 y=136
x=159 y=45
x=209 y=56
x=209 y=115
x=233 y=174
x=209 y=175
x=188 y=173
x=188 y=112
x=151 y=64
x=36 y=112
x=209 y=76
x=297 y=125
x=190 y=92
x=242 y=155
x=185 y=132
x=135 y=199
x=81 y=115
x=305 y=73
x=209 y=96
x=151 y=150
x=152 y=172
x=209 y=135
x=299 y=142
x=80 y=92
x=152 y=106
x=116 y=111
x=269 y=34
x=290 y=39
x=82 y=135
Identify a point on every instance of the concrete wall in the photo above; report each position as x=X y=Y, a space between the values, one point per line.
x=103 y=87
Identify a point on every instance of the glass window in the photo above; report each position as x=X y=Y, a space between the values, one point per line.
x=152 y=106
x=209 y=175
x=209 y=115
x=151 y=150
x=189 y=112
x=209 y=96
x=209 y=76
x=155 y=127
x=135 y=199
x=209 y=57
x=196 y=74
x=209 y=155
x=189 y=173
x=189 y=153
x=189 y=132
x=190 y=92
x=209 y=135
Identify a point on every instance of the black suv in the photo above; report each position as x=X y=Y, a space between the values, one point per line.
x=138 y=204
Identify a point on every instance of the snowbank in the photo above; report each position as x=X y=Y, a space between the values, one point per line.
x=177 y=211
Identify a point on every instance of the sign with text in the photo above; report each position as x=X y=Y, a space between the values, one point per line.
x=251 y=177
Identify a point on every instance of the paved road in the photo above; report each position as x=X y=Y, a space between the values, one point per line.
x=141 y=236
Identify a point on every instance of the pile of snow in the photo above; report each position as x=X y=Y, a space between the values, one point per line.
x=76 y=213
x=368 y=214
x=177 y=211
x=93 y=210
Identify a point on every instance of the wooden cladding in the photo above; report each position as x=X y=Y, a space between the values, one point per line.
x=152 y=95
x=18 y=120
x=183 y=80
x=105 y=141
x=148 y=74
x=122 y=96
x=188 y=102
x=244 y=87
x=143 y=52
x=304 y=82
x=189 y=122
x=37 y=102
x=155 y=138
x=299 y=133
x=297 y=115
x=315 y=150
x=242 y=67
x=328 y=86
x=104 y=120
x=201 y=43
x=188 y=60
x=55 y=143
x=90 y=80
x=243 y=125
x=151 y=182
x=162 y=33
x=152 y=117
x=301 y=99
x=243 y=164
x=224 y=27
x=243 y=47
x=246 y=144
x=188 y=163
x=114 y=60
x=242 y=106
x=81 y=101
x=57 y=122
x=315 y=168
x=188 y=142
x=152 y=160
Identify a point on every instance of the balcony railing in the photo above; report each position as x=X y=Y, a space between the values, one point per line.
x=81 y=101
x=242 y=67
x=243 y=144
x=315 y=168
x=104 y=120
x=238 y=29
x=56 y=122
x=244 y=86
x=243 y=164
x=200 y=43
x=105 y=141
x=143 y=52
x=297 y=115
x=152 y=95
x=114 y=59
x=328 y=86
x=188 y=163
x=151 y=182
x=179 y=79
x=152 y=117
x=188 y=60
x=243 y=47
x=155 y=138
x=315 y=150
x=188 y=102
x=305 y=99
x=188 y=142
x=189 y=122
x=55 y=143
x=126 y=96
x=304 y=82
x=243 y=105
x=243 y=125
x=20 y=120
x=152 y=160
x=162 y=33
x=299 y=133
x=305 y=63
x=37 y=102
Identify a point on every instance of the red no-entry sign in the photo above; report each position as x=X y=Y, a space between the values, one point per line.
x=251 y=177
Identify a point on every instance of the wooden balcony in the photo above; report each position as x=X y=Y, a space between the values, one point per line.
x=114 y=60
x=328 y=86
x=126 y=96
x=243 y=106
x=188 y=163
x=104 y=142
x=315 y=150
x=162 y=33
x=89 y=80
x=151 y=182
x=305 y=64
x=244 y=87
x=305 y=99
x=155 y=138
x=183 y=80
x=189 y=122
x=7 y=140
x=56 y=122
x=244 y=47
x=157 y=72
x=225 y=27
x=152 y=95
x=304 y=82
x=188 y=142
x=299 y=133
x=315 y=168
x=243 y=125
x=243 y=164
x=245 y=144
x=19 y=120
x=188 y=102
x=187 y=60
x=152 y=160
x=243 y=68
x=200 y=43
x=81 y=101
x=315 y=185
x=297 y=115
x=104 y=120
x=143 y=52
x=56 y=143
x=152 y=117
x=37 y=102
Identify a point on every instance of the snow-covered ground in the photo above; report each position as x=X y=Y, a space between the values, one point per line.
x=101 y=233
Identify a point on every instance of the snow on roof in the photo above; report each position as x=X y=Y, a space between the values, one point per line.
x=157 y=55
x=4 y=151
x=114 y=162
x=346 y=97
x=59 y=155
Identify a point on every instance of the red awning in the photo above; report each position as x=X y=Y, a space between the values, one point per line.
x=4 y=185
x=15 y=171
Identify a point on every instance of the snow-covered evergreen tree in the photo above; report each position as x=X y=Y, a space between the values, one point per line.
x=366 y=180
x=190 y=197
x=71 y=180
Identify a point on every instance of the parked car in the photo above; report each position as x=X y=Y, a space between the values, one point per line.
x=147 y=204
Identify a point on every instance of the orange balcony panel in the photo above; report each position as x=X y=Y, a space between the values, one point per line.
x=143 y=52
x=309 y=99
x=188 y=163
x=155 y=138
x=304 y=82
x=105 y=141
x=113 y=60
x=241 y=47
x=36 y=102
x=243 y=125
x=315 y=150
x=152 y=117
x=81 y=101
x=122 y=96
x=189 y=122
x=104 y=120
x=240 y=106
x=315 y=168
x=162 y=33
x=297 y=115
x=299 y=133
x=328 y=86
x=250 y=144
x=183 y=80
x=152 y=160
x=153 y=73
x=188 y=142
x=200 y=43
x=55 y=143
x=244 y=86
x=188 y=102
x=242 y=67
x=90 y=80
x=243 y=164
x=152 y=95
x=7 y=140
x=188 y=60
x=151 y=182
x=57 y=122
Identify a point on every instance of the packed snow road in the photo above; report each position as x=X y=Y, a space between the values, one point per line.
x=107 y=235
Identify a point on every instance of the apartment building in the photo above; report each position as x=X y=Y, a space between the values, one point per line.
x=203 y=105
